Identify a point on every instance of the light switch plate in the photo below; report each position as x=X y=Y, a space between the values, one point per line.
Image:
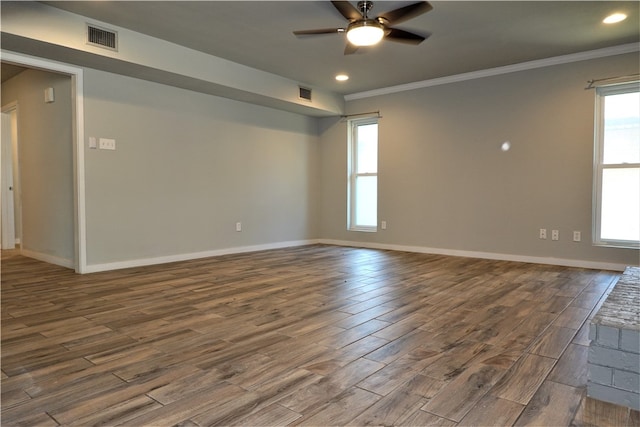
x=49 y=95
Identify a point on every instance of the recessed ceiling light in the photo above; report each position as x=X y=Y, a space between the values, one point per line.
x=342 y=77
x=613 y=18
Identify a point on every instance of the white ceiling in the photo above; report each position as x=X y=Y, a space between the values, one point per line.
x=465 y=35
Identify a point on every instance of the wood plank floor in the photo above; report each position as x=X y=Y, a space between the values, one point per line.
x=314 y=335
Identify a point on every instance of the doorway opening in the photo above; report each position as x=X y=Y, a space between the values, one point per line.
x=74 y=168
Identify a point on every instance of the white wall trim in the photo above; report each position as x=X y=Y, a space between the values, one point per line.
x=77 y=94
x=94 y=268
x=564 y=262
x=523 y=66
x=51 y=259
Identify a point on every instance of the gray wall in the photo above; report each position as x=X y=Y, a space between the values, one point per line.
x=444 y=183
x=46 y=162
x=187 y=167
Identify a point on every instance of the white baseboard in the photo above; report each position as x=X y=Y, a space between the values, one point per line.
x=483 y=255
x=16 y=243
x=51 y=259
x=94 y=268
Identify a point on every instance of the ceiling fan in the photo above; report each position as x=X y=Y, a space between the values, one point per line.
x=365 y=31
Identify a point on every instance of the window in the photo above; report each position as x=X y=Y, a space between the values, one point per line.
x=363 y=175
x=617 y=166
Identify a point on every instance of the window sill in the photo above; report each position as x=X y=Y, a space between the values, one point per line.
x=364 y=229
x=617 y=245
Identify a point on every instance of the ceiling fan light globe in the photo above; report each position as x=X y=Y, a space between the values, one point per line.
x=365 y=33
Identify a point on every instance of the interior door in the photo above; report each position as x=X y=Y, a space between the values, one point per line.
x=8 y=231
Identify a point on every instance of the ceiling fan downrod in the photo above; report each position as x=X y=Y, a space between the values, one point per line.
x=365 y=7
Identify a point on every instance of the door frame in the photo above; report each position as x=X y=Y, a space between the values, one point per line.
x=77 y=119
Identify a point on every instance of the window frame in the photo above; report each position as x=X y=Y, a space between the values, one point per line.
x=352 y=174
x=599 y=166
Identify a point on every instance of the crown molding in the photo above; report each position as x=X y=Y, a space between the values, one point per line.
x=513 y=68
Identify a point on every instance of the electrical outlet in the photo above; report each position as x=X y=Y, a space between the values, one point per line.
x=238 y=226
x=543 y=233
x=555 y=235
x=383 y=225
x=107 y=144
x=577 y=236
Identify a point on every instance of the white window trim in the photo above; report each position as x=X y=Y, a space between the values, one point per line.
x=352 y=157
x=598 y=166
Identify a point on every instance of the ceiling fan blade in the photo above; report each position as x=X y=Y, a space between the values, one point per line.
x=402 y=36
x=318 y=31
x=404 y=13
x=350 y=48
x=347 y=10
